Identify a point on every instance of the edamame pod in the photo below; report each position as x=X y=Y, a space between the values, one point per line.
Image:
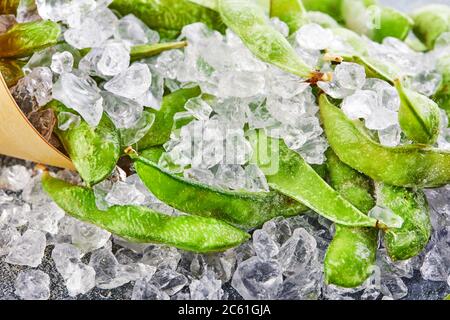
x=352 y=252
x=141 y=224
x=23 y=39
x=168 y=17
x=418 y=116
x=412 y=206
x=143 y=51
x=376 y=22
x=250 y=23
x=292 y=12
x=442 y=96
x=296 y=179
x=9 y=6
x=430 y=22
x=11 y=71
x=322 y=19
x=330 y=7
x=243 y=209
x=93 y=151
x=160 y=131
x=407 y=166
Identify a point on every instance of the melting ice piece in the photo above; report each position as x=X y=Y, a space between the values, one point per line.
x=386 y=216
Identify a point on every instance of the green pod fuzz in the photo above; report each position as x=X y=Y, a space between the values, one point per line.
x=430 y=22
x=351 y=255
x=9 y=6
x=93 y=151
x=160 y=131
x=292 y=12
x=289 y=174
x=23 y=39
x=442 y=96
x=11 y=71
x=244 y=209
x=141 y=224
x=251 y=24
x=405 y=166
x=412 y=206
x=418 y=116
x=168 y=17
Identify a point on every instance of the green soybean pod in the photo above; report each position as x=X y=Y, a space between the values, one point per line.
x=168 y=16
x=412 y=206
x=430 y=22
x=418 y=116
x=405 y=166
x=442 y=96
x=11 y=71
x=141 y=224
x=376 y=22
x=23 y=39
x=292 y=12
x=330 y=7
x=93 y=151
x=251 y=24
x=351 y=255
x=244 y=209
x=172 y=103
x=289 y=174
x=9 y=6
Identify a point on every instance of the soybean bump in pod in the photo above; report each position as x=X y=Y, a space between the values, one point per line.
x=430 y=22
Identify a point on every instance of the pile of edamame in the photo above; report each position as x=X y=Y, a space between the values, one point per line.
x=359 y=173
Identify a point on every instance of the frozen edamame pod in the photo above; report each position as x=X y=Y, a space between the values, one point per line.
x=352 y=252
x=172 y=103
x=250 y=23
x=243 y=209
x=168 y=16
x=296 y=179
x=407 y=166
x=442 y=96
x=23 y=39
x=9 y=6
x=330 y=7
x=418 y=116
x=412 y=206
x=11 y=71
x=141 y=224
x=430 y=22
x=292 y=12
x=93 y=151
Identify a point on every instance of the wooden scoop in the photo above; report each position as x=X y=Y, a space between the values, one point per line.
x=18 y=137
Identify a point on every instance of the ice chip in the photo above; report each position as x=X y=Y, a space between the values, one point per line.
x=28 y=250
x=199 y=108
x=32 y=285
x=265 y=247
x=132 y=83
x=360 y=104
x=62 y=62
x=350 y=75
x=122 y=111
x=386 y=216
x=81 y=94
x=68 y=120
x=313 y=37
x=133 y=31
x=206 y=288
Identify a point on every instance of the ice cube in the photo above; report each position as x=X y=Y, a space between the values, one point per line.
x=132 y=83
x=8 y=235
x=81 y=94
x=15 y=177
x=32 y=285
x=256 y=180
x=265 y=247
x=62 y=62
x=360 y=104
x=161 y=257
x=350 y=76
x=255 y=279
x=230 y=176
x=133 y=31
x=88 y=237
x=123 y=112
x=28 y=250
x=199 y=108
x=313 y=36
x=169 y=281
x=206 y=288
